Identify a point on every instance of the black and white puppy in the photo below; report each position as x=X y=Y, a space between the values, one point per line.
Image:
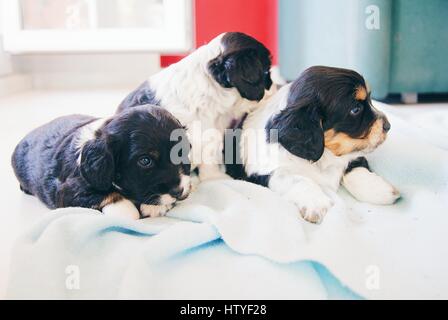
x=315 y=132
x=116 y=165
x=209 y=88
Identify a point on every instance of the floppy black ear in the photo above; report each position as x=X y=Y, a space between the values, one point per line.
x=242 y=70
x=299 y=131
x=97 y=164
x=217 y=69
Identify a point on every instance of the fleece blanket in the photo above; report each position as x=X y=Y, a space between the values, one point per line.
x=232 y=239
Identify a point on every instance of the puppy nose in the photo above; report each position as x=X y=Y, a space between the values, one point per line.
x=178 y=193
x=386 y=125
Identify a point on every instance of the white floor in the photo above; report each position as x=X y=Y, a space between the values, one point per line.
x=431 y=120
x=22 y=112
x=427 y=116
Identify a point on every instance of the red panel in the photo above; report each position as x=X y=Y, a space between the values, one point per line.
x=271 y=36
x=257 y=18
x=165 y=61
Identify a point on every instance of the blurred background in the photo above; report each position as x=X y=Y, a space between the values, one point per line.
x=400 y=46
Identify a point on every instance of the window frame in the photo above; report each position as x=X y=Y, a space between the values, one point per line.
x=175 y=37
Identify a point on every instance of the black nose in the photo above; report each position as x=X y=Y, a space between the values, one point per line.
x=177 y=193
x=386 y=125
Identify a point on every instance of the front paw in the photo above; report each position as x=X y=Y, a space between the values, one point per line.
x=314 y=211
x=123 y=208
x=312 y=202
x=195 y=181
x=154 y=211
x=369 y=187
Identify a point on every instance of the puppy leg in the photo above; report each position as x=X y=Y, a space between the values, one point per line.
x=369 y=187
x=312 y=203
x=166 y=202
x=122 y=208
x=194 y=182
x=153 y=211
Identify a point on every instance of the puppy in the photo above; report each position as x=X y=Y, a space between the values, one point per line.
x=114 y=165
x=311 y=136
x=209 y=88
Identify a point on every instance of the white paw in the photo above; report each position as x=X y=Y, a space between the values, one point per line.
x=369 y=187
x=154 y=211
x=312 y=202
x=122 y=208
x=195 y=181
x=187 y=185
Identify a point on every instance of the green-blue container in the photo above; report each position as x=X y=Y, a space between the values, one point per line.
x=400 y=46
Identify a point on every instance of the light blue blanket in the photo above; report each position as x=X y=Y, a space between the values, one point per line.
x=77 y=254
x=236 y=240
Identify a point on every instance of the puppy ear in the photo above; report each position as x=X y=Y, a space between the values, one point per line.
x=97 y=164
x=242 y=70
x=217 y=69
x=299 y=131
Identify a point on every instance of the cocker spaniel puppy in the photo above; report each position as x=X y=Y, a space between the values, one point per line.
x=314 y=135
x=206 y=90
x=117 y=165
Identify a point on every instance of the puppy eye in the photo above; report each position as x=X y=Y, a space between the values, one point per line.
x=146 y=162
x=355 y=111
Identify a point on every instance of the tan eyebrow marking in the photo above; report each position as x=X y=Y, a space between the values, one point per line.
x=360 y=93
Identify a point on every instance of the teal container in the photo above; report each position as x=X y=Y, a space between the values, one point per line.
x=399 y=46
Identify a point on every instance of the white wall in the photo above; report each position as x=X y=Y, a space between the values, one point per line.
x=10 y=82
x=74 y=71
x=5 y=61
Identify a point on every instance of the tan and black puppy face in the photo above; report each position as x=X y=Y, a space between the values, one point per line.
x=329 y=108
x=244 y=64
x=351 y=122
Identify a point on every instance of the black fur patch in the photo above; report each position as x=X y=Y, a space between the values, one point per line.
x=262 y=180
x=97 y=164
x=140 y=96
x=298 y=130
x=232 y=138
x=360 y=162
x=234 y=167
x=245 y=65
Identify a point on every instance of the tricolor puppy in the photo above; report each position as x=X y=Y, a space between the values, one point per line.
x=116 y=165
x=315 y=133
x=209 y=88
